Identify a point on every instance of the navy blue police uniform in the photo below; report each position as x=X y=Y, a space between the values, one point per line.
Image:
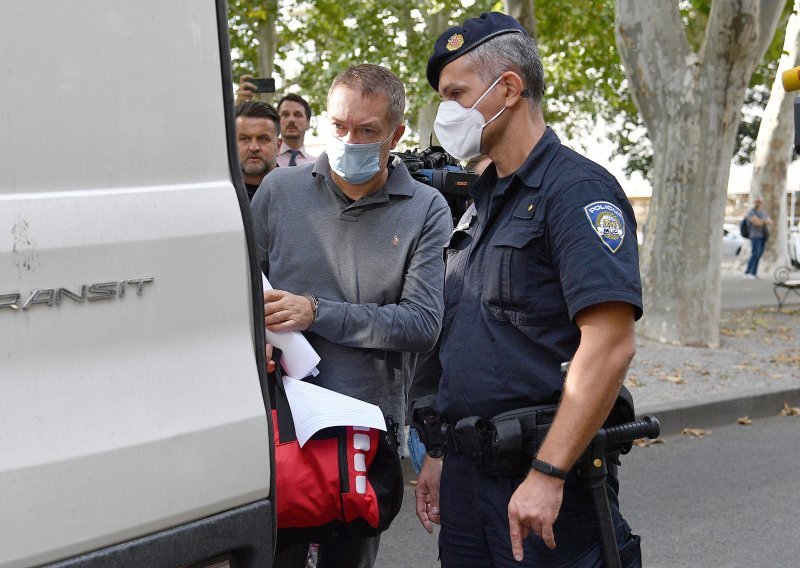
x=537 y=247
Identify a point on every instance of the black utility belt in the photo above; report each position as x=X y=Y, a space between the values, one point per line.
x=504 y=445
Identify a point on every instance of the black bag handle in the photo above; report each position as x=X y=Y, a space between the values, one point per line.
x=286 y=431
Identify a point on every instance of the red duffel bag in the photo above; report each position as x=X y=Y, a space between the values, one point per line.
x=344 y=479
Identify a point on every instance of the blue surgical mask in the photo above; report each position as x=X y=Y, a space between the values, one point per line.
x=355 y=163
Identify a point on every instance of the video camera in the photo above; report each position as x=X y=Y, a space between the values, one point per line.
x=438 y=169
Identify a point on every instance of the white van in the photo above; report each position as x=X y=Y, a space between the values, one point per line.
x=134 y=423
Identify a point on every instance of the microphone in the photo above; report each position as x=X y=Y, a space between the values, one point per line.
x=791 y=79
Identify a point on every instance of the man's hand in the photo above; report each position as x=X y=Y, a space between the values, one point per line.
x=270 y=362
x=427 y=492
x=246 y=90
x=534 y=507
x=287 y=312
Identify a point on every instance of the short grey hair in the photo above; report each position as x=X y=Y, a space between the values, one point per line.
x=374 y=81
x=510 y=52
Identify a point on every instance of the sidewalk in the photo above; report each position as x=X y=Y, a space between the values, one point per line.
x=753 y=373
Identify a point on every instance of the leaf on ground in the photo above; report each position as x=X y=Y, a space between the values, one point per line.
x=735 y=332
x=696 y=432
x=744 y=421
x=783 y=333
x=746 y=367
x=788 y=358
x=632 y=382
x=645 y=442
x=676 y=379
x=789 y=410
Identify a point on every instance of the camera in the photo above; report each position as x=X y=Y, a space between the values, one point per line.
x=438 y=169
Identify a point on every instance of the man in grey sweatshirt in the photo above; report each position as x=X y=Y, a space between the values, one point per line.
x=353 y=247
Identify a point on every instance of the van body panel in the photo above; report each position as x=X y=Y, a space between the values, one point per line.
x=130 y=392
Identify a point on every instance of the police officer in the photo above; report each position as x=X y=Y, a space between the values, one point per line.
x=544 y=269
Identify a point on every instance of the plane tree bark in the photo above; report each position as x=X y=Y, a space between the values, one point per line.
x=690 y=102
x=774 y=146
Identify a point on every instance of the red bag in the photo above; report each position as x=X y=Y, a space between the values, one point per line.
x=344 y=479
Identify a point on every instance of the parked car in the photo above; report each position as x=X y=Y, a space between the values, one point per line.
x=731 y=240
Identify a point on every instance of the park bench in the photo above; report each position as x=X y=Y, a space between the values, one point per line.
x=782 y=285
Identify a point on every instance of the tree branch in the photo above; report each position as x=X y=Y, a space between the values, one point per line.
x=652 y=44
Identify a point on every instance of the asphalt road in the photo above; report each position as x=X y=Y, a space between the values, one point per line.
x=730 y=499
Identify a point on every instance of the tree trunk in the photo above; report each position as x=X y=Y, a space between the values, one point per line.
x=267 y=43
x=435 y=25
x=523 y=12
x=425 y=118
x=774 y=150
x=690 y=103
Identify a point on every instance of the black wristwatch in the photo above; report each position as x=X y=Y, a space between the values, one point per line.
x=548 y=469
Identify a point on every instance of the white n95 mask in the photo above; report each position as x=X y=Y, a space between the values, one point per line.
x=459 y=129
x=355 y=163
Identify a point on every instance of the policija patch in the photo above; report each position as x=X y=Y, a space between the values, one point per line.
x=608 y=223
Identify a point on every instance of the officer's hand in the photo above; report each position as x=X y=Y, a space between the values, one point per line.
x=287 y=312
x=427 y=492
x=534 y=507
x=246 y=90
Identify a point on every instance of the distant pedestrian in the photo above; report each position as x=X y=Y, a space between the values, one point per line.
x=757 y=221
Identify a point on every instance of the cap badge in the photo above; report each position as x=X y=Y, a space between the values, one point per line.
x=396 y=240
x=455 y=41
x=607 y=222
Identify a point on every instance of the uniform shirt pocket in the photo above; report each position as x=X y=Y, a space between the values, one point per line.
x=514 y=272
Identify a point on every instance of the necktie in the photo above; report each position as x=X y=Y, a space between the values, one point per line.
x=293 y=155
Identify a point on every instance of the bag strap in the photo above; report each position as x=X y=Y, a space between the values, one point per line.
x=286 y=431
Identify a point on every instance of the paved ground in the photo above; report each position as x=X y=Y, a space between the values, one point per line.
x=754 y=371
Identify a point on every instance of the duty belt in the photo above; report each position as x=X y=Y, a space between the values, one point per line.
x=503 y=445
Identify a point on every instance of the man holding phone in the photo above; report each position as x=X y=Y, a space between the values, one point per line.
x=249 y=86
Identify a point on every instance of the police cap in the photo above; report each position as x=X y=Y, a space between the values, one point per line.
x=459 y=40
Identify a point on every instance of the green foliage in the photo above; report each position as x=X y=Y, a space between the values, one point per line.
x=757 y=95
x=244 y=19
x=585 y=78
x=586 y=83
x=319 y=39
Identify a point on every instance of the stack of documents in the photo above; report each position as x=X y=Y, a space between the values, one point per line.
x=315 y=408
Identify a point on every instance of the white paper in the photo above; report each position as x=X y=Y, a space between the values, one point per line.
x=315 y=408
x=299 y=358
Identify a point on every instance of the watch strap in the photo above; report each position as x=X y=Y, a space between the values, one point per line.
x=548 y=469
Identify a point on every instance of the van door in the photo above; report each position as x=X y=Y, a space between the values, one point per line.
x=131 y=325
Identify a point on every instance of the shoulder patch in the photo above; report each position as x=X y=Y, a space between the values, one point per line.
x=607 y=222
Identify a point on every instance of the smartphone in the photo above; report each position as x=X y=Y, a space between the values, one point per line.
x=264 y=84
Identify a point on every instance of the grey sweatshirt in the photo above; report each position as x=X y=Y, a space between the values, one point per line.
x=375 y=265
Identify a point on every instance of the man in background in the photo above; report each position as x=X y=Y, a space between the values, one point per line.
x=257 y=129
x=295 y=113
